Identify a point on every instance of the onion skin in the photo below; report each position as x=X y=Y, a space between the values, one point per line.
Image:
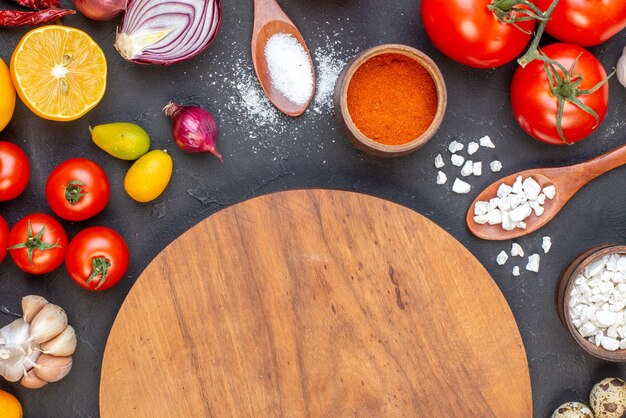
x=193 y=128
x=100 y=10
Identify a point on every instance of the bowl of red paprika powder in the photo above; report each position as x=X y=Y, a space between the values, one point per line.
x=390 y=100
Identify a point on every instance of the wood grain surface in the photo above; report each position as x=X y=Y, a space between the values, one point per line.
x=315 y=304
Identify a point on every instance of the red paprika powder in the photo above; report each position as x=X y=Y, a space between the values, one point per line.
x=392 y=99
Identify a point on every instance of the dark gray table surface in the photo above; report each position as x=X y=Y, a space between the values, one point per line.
x=309 y=152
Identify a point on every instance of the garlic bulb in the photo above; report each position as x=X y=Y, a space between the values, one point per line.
x=621 y=68
x=36 y=349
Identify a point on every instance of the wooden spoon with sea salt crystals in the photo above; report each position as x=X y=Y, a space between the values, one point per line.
x=269 y=20
x=567 y=180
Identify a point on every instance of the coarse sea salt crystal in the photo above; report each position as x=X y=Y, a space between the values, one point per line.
x=546 y=244
x=481 y=219
x=501 y=258
x=495 y=166
x=481 y=208
x=610 y=344
x=486 y=142
x=516 y=271
x=531 y=188
x=472 y=147
x=439 y=161
x=441 y=177
x=517 y=250
x=533 y=263
x=494 y=217
x=504 y=190
x=457 y=160
x=549 y=191
x=455 y=146
x=520 y=213
x=461 y=187
x=468 y=168
x=517 y=187
x=477 y=169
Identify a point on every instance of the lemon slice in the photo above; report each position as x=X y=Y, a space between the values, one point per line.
x=59 y=72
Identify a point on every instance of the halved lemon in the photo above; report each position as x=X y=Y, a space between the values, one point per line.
x=59 y=72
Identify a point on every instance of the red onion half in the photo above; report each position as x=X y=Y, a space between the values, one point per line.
x=167 y=31
x=100 y=9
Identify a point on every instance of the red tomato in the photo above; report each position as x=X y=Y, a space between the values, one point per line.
x=77 y=189
x=37 y=243
x=4 y=238
x=14 y=171
x=468 y=32
x=585 y=22
x=535 y=105
x=97 y=258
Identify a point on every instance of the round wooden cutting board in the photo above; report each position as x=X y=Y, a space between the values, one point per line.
x=315 y=304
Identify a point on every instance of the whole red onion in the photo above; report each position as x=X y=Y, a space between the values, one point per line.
x=100 y=9
x=193 y=128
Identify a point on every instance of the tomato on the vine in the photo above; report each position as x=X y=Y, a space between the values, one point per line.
x=14 y=171
x=585 y=22
x=37 y=243
x=97 y=258
x=478 y=33
x=4 y=238
x=576 y=94
x=77 y=189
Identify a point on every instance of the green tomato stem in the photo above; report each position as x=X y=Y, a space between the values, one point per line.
x=74 y=192
x=34 y=242
x=99 y=268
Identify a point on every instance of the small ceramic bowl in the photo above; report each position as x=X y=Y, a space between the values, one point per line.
x=563 y=292
x=356 y=137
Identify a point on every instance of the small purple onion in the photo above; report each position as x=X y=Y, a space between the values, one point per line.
x=100 y=9
x=193 y=128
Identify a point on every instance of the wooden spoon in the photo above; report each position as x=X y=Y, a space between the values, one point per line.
x=567 y=180
x=269 y=19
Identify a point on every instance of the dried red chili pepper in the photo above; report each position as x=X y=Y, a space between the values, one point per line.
x=39 y=4
x=12 y=18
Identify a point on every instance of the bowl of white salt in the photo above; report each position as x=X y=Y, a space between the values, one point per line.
x=591 y=301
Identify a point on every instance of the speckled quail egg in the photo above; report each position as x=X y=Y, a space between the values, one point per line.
x=572 y=410
x=608 y=398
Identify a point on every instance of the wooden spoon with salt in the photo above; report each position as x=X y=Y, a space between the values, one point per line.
x=567 y=180
x=269 y=19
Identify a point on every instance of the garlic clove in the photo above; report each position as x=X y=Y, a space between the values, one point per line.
x=52 y=368
x=31 y=305
x=32 y=381
x=62 y=345
x=48 y=323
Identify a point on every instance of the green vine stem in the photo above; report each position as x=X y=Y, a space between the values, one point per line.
x=533 y=52
x=513 y=11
